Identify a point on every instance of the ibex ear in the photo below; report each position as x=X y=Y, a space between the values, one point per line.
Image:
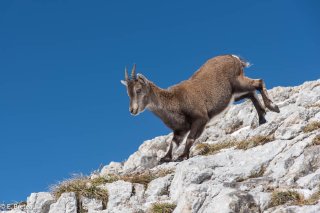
x=142 y=79
x=123 y=82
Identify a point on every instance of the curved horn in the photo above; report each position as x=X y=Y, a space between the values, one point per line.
x=133 y=72
x=126 y=76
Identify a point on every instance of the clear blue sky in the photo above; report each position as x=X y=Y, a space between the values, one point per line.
x=62 y=107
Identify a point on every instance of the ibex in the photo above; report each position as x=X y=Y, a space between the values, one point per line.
x=188 y=106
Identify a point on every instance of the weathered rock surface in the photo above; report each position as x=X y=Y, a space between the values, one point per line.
x=230 y=180
x=39 y=202
x=91 y=204
x=67 y=203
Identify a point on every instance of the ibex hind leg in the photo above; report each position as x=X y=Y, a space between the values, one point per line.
x=256 y=103
x=247 y=84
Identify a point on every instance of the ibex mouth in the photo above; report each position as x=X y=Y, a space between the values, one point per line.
x=134 y=112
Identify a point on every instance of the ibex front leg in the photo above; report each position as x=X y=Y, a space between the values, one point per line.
x=197 y=128
x=178 y=137
x=259 y=107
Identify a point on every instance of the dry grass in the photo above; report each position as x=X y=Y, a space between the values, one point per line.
x=316 y=140
x=162 y=208
x=142 y=177
x=81 y=186
x=86 y=187
x=254 y=141
x=209 y=149
x=313 y=199
x=258 y=173
x=145 y=177
x=103 y=180
x=286 y=197
x=311 y=126
x=313 y=105
x=291 y=197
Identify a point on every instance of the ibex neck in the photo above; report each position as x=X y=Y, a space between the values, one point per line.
x=159 y=98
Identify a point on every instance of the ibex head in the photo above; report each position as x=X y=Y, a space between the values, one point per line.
x=138 y=91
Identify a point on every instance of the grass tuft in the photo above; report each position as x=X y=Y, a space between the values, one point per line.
x=103 y=180
x=292 y=197
x=81 y=186
x=313 y=199
x=254 y=141
x=163 y=208
x=313 y=105
x=282 y=197
x=86 y=187
x=316 y=140
x=139 y=177
x=144 y=177
x=311 y=126
x=258 y=173
x=209 y=149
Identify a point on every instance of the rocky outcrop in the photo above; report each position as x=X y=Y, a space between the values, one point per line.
x=39 y=202
x=67 y=203
x=255 y=172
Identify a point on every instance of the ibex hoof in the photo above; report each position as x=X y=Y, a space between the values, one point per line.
x=262 y=120
x=274 y=108
x=182 y=158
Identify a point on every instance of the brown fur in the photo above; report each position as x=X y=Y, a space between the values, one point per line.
x=188 y=106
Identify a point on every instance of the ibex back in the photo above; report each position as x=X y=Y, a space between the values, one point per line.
x=188 y=106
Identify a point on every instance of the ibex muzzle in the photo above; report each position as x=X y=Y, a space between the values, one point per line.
x=138 y=89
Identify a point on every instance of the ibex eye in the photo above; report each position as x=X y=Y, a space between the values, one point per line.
x=138 y=90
